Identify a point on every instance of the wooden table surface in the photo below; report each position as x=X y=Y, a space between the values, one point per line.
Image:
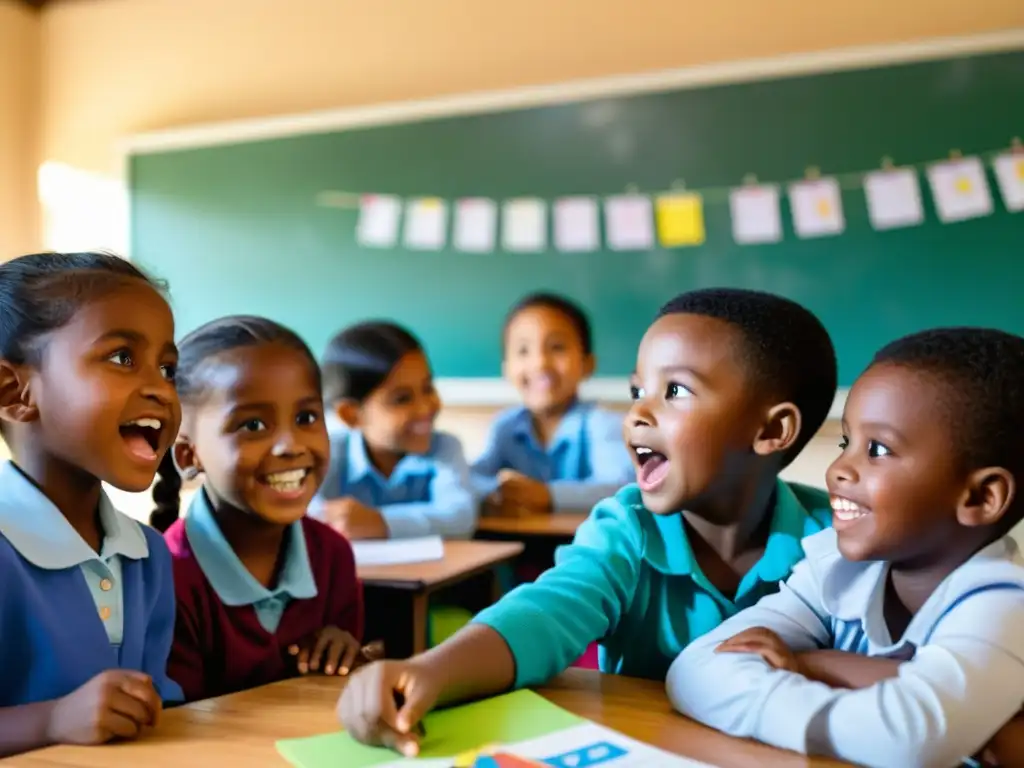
x=462 y=559
x=240 y=730
x=562 y=524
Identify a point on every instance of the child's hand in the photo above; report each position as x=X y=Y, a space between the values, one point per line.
x=330 y=649
x=384 y=702
x=117 y=703
x=522 y=492
x=766 y=644
x=354 y=520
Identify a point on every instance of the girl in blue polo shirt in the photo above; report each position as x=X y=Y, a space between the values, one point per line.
x=87 y=396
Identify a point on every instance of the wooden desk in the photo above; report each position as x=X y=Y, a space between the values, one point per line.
x=397 y=597
x=241 y=729
x=559 y=524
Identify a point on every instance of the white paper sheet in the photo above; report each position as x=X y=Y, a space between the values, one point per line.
x=817 y=208
x=629 y=222
x=524 y=225
x=378 y=221
x=476 y=224
x=576 y=224
x=422 y=549
x=1010 y=175
x=426 y=222
x=960 y=189
x=755 y=214
x=894 y=198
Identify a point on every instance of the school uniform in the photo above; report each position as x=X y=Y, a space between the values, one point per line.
x=68 y=613
x=585 y=461
x=233 y=633
x=425 y=494
x=963 y=675
x=630 y=581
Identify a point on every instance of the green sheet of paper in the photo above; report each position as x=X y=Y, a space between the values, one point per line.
x=513 y=717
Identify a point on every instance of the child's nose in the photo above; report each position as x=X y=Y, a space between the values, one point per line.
x=286 y=444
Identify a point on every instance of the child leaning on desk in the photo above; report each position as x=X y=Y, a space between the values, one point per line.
x=263 y=592
x=553 y=453
x=729 y=386
x=899 y=641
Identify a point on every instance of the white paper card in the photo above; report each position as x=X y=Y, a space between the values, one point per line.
x=1010 y=175
x=476 y=224
x=398 y=551
x=378 y=221
x=582 y=746
x=576 y=225
x=960 y=189
x=426 y=219
x=524 y=225
x=755 y=214
x=817 y=208
x=629 y=223
x=894 y=198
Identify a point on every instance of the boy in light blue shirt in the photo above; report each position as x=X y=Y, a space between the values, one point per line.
x=553 y=453
x=729 y=387
x=900 y=640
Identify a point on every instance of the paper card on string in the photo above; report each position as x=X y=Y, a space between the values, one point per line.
x=629 y=223
x=1010 y=175
x=426 y=219
x=524 y=225
x=476 y=224
x=378 y=221
x=894 y=198
x=960 y=189
x=576 y=225
x=755 y=214
x=680 y=218
x=817 y=208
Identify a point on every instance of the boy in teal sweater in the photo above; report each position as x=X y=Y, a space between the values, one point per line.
x=729 y=386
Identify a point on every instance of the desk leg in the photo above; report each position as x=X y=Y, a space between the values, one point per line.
x=420 y=619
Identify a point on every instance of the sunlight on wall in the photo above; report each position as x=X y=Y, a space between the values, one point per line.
x=82 y=210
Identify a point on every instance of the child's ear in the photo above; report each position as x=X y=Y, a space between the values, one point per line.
x=348 y=411
x=988 y=496
x=589 y=365
x=780 y=430
x=185 y=458
x=16 y=403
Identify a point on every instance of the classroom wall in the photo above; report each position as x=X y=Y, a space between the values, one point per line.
x=20 y=36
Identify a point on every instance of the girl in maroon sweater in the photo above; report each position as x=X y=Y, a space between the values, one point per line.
x=263 y=592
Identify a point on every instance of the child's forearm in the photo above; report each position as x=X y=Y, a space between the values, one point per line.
x=476 y=662
x=841 y=669
x=25 y=727
x=1007 y=746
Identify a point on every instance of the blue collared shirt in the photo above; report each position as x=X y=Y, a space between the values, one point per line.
x=232 y=581
x=629 y=581
x=965 y=678
x=586 y=460
x=426 y=493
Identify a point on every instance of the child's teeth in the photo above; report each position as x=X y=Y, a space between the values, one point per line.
x=641 y=450
x=287 y=481
x=148 y=423
x=845 y=509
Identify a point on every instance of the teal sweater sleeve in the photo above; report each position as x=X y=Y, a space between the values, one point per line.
x=549 y=624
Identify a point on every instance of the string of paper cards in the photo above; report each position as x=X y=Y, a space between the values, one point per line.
x=636 y=222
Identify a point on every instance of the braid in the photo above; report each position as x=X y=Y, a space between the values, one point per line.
x=166 y=495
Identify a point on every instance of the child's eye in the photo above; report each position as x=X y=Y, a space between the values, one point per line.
x=637 y=393
x=252 y=425
x=876 y=449
x=307 y=418
x=169 y=371
x=674 y=391
x=844 y=442
x=122 y=357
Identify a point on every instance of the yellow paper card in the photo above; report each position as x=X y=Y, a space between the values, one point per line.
x=680 y=219
x=1020 y=169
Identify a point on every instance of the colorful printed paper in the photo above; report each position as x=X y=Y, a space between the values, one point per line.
x=426 y=222
x=755 y=214
x=894 y=198
x=576 y=224
x=524 y=225
x=629 y=223
x=1009 y=169
x=476 y=225
x=817 y=207
x=378 y=221
x=680 y=219
x=960 y=189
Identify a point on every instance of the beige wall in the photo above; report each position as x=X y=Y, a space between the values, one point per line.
x=20 y=34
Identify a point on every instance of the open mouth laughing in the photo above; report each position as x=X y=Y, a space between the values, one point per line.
x=289 y=483
x=652 y=467
x=143 y=436
x=846 y=512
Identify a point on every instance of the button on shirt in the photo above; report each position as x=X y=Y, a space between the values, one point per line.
x=964 y=679
x=44 y=537
x=585 y=461
x=230 y=579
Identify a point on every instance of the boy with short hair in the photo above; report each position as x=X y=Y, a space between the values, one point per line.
x=730 y=385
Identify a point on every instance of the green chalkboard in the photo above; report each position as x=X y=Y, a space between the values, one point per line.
x=237 y=228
